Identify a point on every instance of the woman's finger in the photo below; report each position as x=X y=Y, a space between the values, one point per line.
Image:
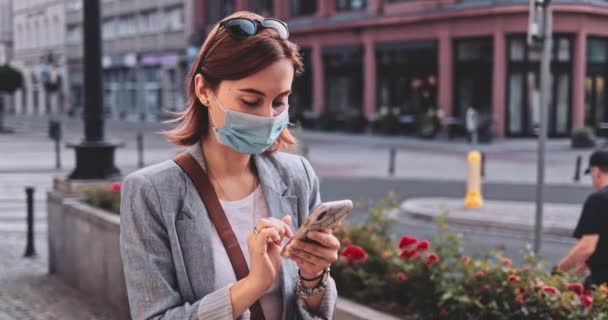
x=287 y=220
x=313 y=265
x=282 y=228
x=326 y=239
x=265 y=235
x=327 y=254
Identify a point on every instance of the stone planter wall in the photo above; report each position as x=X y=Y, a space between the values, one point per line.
x=84 y=250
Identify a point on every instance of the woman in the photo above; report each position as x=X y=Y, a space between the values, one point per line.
x=175 y=264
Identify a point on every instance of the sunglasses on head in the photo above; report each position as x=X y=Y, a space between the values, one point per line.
x=243 y=28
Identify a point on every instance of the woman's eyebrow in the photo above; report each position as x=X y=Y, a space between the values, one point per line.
x=258 y=92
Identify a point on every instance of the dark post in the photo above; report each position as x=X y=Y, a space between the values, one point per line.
x=140 y=150
x=58 y=146
x=94 y=156
x=391 y=161
x=483 y=164
x=30 y=251
x=577 y=168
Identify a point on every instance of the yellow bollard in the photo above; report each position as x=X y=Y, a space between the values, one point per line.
x=473 y=199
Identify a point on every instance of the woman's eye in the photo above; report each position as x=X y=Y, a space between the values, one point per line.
x=278 y=104
x=250 y=103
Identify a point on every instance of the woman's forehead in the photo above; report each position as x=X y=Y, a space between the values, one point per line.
x=272 y=80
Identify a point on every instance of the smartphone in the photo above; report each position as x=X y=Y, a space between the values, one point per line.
x=327 y=215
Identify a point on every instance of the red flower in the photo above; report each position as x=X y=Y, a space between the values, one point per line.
x=423 y=245
x=550 y=290
x=432 y=258
x=443 y=312
x=506 y=261
x=577 y=287
x=407 y=254
x=521 y=298
x=512 y=278
x=400 y=277
x=521 y=290
x=480 y=274
x=589 y=292
x=466 y=259
x=354 y=254
x=346 y=242
x=407 y=241
x=586 y=300
x=115 y=187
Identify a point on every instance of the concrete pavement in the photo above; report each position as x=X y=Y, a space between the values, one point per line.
x=558 y=219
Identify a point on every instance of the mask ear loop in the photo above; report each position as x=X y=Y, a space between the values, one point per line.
x=211 y=113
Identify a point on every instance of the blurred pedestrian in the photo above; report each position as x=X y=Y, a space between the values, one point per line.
x=591 y=250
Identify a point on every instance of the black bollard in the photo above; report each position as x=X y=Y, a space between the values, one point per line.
x=391 y=161
x=483 y=164
x=30 y=250
x=55 y=135
x=58 y=147
x=140 y=150
x=577 y=168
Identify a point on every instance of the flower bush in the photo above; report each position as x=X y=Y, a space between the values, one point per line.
x=106 y=198
x=431 y=279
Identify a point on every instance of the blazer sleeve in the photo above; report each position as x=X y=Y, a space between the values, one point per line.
x=148 y=264
x=328 y=303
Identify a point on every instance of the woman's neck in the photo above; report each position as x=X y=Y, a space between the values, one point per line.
x=222 y=161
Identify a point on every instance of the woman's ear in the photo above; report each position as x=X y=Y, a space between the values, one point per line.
x=200 y=89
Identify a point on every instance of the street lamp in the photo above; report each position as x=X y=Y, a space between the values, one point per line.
x=540 y=38
x=94 y=155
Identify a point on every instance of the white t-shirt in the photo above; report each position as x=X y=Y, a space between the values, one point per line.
x=242 y=219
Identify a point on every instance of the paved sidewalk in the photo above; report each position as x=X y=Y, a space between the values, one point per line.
x=558 y=219
x=28 y=292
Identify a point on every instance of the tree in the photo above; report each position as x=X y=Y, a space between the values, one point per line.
x=10 y=81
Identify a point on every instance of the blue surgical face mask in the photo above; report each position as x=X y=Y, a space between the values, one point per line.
x=247 y=133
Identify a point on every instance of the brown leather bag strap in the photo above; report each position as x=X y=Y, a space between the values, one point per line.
x=205 y=190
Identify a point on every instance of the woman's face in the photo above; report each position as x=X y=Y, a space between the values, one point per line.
x=264 y=93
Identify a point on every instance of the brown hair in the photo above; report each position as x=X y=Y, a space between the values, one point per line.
x=223 y=58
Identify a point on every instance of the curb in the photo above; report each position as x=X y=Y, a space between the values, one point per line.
x=417 y=213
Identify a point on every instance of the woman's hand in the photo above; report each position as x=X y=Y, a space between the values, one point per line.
x=312 y=258
x=265 y=250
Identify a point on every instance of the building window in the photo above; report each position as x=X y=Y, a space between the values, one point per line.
x=303 y=7
x=344 y=82
x=596 y=93
x=344 y=5
x=127 y=26
x=108 y=29
x=523 y=114
x=263 y=7
x=74 y=34
x=150 y=22
x=597 y=51
x=175 y=19
x=407 y=81
x=473 y=84
x=73 y=5
x=217 y=10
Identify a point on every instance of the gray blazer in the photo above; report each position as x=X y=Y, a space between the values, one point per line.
x=165 y=240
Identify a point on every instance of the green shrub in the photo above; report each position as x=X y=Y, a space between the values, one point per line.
x=432 y=279
x=104 y=198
